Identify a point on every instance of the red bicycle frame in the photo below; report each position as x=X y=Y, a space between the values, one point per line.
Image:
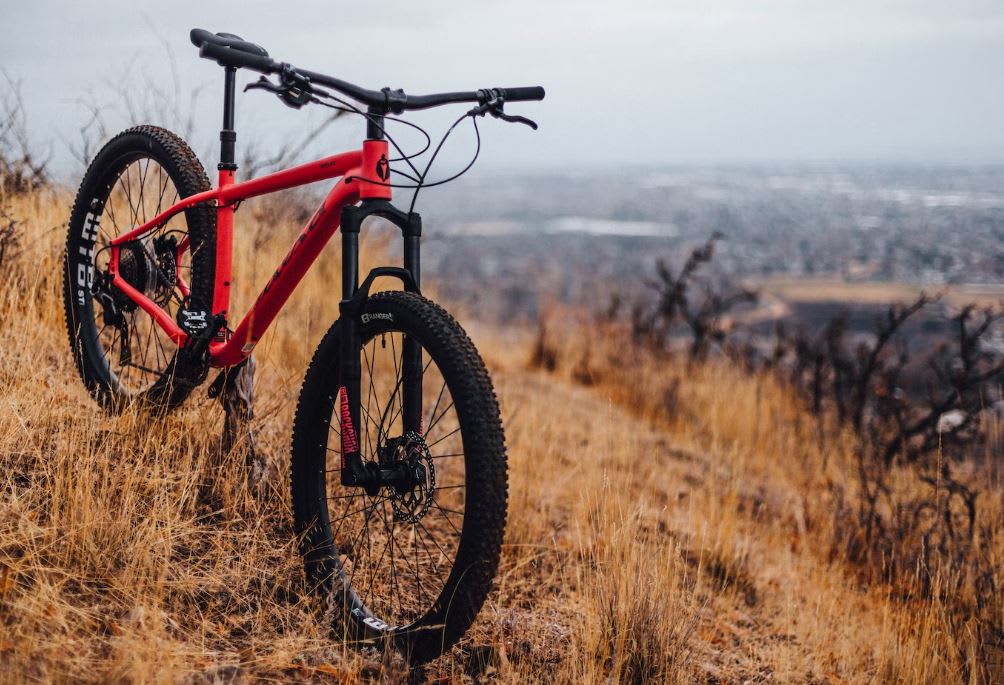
x=359 y=171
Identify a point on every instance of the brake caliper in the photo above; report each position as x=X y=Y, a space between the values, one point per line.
x=414 y=482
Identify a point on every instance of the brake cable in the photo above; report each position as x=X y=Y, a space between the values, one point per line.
x=418 y=182
x=296 y=91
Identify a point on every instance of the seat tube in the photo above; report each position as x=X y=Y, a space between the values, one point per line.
x=224 y=249
x=225 y=213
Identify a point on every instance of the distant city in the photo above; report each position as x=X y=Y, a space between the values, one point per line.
x=579 y=236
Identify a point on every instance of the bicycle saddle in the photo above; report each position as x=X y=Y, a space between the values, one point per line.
x=200 y=37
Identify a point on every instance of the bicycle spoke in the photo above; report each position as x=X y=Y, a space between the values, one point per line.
x=414 y=569
x=428 y=553
x=357 y=511
x=400 y=409
x=141 y=170
x=144 y=369
x=447 y=509
x=397 y=386
x=163 y=187
x=434 y=541
x=377 y=565
x=369 y=397
x=393 y=568
x=110 y=209
x=440 y=418
x=436 y=406
x=453 y=432
x=128 y=191
x=365 y=529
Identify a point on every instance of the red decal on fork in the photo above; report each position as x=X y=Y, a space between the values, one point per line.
x=349 y=443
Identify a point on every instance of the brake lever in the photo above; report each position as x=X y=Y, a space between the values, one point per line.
x=295 y=94
x=514 y=118
x=494 y=107
x=263 y=84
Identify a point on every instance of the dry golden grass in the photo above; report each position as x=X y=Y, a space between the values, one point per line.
x=766 y=486
x=638 y=549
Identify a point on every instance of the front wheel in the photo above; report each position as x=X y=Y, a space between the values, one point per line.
x=411 y=565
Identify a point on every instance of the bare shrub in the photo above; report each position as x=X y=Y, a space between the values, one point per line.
x=862 y=388
x=543 y=354
x=911 y=506
x=22 y=168
x=685 y=298
x=10 y=243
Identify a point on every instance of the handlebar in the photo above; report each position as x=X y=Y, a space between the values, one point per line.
x=229 y=50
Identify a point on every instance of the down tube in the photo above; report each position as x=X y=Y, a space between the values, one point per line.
x=301 y=256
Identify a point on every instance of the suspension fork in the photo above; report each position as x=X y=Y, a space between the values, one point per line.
x=354 y=297
x=411 y=366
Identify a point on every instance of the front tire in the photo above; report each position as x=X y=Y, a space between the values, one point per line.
x=444 y=539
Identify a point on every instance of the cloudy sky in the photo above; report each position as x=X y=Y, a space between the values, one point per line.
x=634 y=81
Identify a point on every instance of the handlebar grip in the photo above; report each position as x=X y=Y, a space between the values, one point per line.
x=228 y=57
x=523 y=93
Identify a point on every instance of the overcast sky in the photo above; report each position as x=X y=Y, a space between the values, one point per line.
x=634 y=81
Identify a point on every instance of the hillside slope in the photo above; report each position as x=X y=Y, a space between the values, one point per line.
x=682 y=554
x=132 y=550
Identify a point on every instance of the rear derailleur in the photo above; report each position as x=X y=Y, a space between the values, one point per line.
x=113 y=309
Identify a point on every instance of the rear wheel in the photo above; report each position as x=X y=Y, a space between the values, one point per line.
x=414 y=562
x=121 y=353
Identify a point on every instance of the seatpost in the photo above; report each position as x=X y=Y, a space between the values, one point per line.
x=228 y=136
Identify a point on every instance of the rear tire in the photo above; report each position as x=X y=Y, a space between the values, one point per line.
x=139 y=173
x=437 y=598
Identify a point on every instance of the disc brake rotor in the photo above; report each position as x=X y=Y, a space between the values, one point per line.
x=411 y=499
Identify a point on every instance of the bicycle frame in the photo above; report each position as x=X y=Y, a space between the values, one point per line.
x=364 y=174
x=358 y=170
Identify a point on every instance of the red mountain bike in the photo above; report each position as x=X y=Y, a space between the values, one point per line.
x=399 y=480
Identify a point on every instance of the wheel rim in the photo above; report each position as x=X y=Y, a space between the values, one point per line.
x=395 y=551
x=135 y=349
